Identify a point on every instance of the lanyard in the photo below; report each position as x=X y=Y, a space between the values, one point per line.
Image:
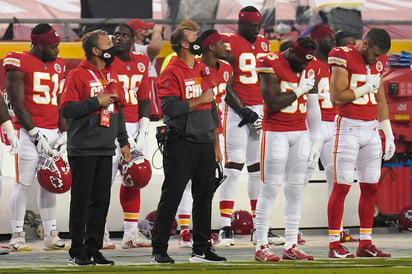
x=101 y=74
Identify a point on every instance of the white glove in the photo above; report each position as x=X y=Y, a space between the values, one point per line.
x=385 y=126
x=258 y=123
x=305 y=84
x=40 y=141
x=372 y=83
x=314 y=153
x=11 y=136
x=61 y=143
x=141 y=136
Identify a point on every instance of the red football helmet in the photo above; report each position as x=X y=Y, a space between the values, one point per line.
x=242 y=222
x=137 y=172
x=116 y=88
x=53 y=173
x=405 y=218
x=152 y=216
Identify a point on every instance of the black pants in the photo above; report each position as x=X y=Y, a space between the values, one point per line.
x=90 y=198
x=182 y=161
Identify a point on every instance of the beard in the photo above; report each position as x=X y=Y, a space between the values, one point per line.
x=49 y=58
x=325 y=48
x=296 y=66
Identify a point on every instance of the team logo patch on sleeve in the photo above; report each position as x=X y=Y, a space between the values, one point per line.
x=141 y=67
x=226 y=76
x=57 y=68
x=264 y=46
x=379 y=66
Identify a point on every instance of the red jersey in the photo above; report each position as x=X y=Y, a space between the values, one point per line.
x=179 y=80
x=322 y=76
x=133 y=75
x=41 y=86
x=363 y=108
x=223 y=74
x=245 y=78
x=85 y=81
x=292 y=117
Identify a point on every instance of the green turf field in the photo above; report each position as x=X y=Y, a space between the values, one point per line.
x=351 y=266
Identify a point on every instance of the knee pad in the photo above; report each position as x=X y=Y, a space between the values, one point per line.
x=293 y=189
x=270 y=188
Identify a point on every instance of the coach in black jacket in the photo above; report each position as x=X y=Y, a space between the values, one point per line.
x=94 y=123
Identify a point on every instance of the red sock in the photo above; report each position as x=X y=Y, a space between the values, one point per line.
x=366 y=209
x=130 y=202
x=253 y=207
x=336 y=205
x=226 y=208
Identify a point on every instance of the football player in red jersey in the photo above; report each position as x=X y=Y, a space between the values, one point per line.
x=324 y=38
x=286 y=144
x=356 y=86
x=242 y=116
x=220 y=73
x=33 y=84
x=132 y=71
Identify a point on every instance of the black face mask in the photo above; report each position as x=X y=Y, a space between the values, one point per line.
x=195 y=47
x=147 y=39
x=108 y=55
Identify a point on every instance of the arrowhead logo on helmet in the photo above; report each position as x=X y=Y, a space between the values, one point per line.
x=53 y=173
x=137 y=172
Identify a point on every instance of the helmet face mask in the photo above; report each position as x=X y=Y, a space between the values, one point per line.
x=137 y=172
x=53 y=173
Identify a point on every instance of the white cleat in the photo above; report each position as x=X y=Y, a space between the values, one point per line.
x=53 y=242
x=4 y=250
x=226 y=236
x=135 y=239
x=107 y=242
x=18 y=242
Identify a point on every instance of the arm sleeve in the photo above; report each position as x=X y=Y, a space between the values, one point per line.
x=77 y=109
x=122 y=133
x=172 y=107
x=314 y=117
x=215 y=114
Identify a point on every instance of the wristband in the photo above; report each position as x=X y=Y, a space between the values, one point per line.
x=299 y=91
x=360 y=91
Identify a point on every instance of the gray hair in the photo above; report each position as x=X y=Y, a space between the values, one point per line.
x=90 y=40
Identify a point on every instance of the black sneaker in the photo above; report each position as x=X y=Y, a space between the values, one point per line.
x=99 y=259
x=208 y=256
x=77 y=261
x=159 y=258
